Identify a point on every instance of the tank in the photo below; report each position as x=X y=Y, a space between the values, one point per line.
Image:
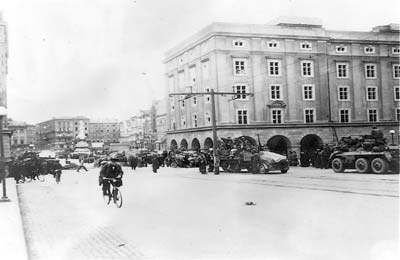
x=368 y=153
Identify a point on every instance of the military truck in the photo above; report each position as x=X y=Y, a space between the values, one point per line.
x=239 y=153
x=365 y=154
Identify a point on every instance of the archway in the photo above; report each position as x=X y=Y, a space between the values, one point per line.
x=184 y=144
x=174 y=145
x=250 y=139
x=195 y=144
x=310 y=143
x=208 y=143
x=279 y=144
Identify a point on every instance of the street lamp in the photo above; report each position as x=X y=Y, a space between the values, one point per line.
x=3 y=112
x=392 y=133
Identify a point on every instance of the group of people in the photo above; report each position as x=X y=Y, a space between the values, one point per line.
x=318 y=158
x=30 y=167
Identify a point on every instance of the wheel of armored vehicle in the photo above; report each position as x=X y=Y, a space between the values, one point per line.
x=379 y=166
x=338 y=165
x=174 y=165
x=362 y=165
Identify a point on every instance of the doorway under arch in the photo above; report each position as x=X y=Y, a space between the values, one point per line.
x=310 y=143
x=184 y=144
x=279 y=144
x=174 y=145
x=195 y=144
x=208 y=143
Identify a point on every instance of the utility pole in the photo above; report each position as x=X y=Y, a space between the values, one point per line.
x=212 y=93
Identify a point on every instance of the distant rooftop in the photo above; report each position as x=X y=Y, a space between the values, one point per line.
x=103 y=120
x=297 y=21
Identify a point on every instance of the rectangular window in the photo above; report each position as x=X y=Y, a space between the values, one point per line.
x=172 y=103
x=274 y=67
x=183 y=121
x=342 y=70
x=192 y=72
x=396 y=71
x=173 y=124
x=344 y=115
x=205 y=70
x=397 y=93
x=238 y=43
x=372 y=115
x=194 y=100
x=370 y=71
x=343 y=93
x=239 y=67
x=372 y=93
x=369 y=49
x=240 y=89
x=273 y=44
x=208 y=118
x=309 y=115
x=276 y=116
x=207 y=97
x=308 y=92
x=182 y=100
x=307 y=68
x=242 y=117
x=398 y=114
x=395 y=50
x=341 y=49
x=275 y=92
x=194 y=120
x=305 y=46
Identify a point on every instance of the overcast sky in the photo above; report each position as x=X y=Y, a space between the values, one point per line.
x=103 y=58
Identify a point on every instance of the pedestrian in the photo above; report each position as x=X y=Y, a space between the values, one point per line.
x=155 y=163
x=81 y=164
x=133 y=162
x=203 y=164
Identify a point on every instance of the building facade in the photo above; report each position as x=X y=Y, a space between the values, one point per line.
x=5 y=133
x=23 y=134
x=159 y=114
x=62 y=132
x=309 y=86
x=104 y=130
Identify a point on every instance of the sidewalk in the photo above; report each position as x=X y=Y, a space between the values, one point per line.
x=12 y=241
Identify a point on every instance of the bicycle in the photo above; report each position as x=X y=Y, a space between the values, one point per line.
x=116 y=194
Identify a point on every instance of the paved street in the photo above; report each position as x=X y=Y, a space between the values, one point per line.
x=180 y=214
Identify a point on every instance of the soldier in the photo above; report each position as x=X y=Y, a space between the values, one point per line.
x=203 y=164
x=155 y=163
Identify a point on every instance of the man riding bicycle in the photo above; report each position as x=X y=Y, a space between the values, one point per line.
x=110 y=170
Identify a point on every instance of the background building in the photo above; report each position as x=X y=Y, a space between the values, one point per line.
x=23 y=134
x=62 y=132
x=3 y=87
x=104 y=130
x=159 y=114
x=310 y=86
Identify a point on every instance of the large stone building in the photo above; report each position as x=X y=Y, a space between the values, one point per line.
x=104 y=130
x=62 y=132
x=23 y=134
x=3 y=88
x=309 y=85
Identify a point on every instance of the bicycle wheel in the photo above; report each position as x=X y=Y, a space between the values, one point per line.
x=117 y=195
x=40 y=177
